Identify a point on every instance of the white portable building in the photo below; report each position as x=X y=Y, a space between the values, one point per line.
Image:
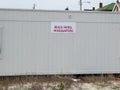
x=42 y=42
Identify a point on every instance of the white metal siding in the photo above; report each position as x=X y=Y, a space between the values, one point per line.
x=29 y=47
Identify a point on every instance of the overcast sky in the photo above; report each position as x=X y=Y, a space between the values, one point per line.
x=52 y=4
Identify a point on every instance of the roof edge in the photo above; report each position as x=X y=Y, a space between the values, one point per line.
x=65 y=11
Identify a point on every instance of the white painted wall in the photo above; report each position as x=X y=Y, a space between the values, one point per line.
x=29 y=47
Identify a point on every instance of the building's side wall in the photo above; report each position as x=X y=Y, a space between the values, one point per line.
x=29 y=47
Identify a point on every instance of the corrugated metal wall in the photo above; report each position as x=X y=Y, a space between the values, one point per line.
x=29 y=47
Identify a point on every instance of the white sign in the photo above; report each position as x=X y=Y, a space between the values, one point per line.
x=63 y=27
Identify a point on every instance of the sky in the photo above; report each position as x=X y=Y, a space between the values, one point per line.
x=52 y=4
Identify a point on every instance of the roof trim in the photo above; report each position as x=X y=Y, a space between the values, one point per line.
x=57 y=11
x=116 y=4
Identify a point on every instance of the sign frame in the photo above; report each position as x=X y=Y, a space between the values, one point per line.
x=63 y=27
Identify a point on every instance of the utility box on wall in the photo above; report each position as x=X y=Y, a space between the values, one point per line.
x=41 y=42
